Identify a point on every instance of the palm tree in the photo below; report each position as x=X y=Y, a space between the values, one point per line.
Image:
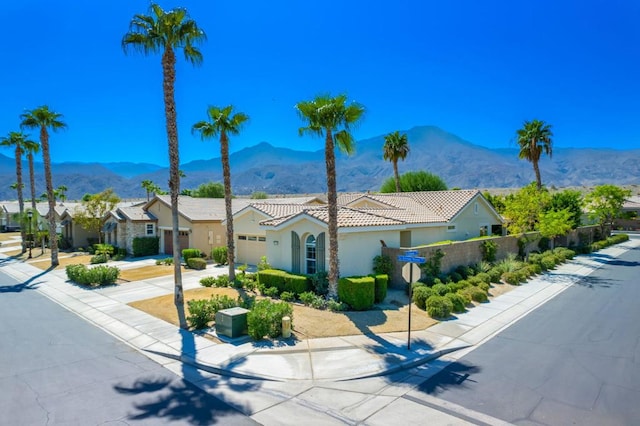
x=396 y=147
x=32 y=147
x=61 y=193
x=222 y=123
x=164 y=32
x=332 y=118
x=535 y=138
x=43 y=118
x=17 y=141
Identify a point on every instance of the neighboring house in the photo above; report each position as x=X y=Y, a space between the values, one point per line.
x=123 y=224
x=10 y=218
x=632 y=205
x=202 y=221
x=295 y=236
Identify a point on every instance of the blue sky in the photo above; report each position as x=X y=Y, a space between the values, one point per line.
x=475 y=69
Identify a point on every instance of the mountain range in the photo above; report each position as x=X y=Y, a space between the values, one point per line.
x=276 y=170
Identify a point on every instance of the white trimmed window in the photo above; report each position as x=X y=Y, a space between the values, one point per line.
x=150 y=229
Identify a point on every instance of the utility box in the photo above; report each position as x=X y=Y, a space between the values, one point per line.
x=232 y=322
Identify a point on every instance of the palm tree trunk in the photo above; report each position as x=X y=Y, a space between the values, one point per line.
x=332 y=200
x=32 y=182
x=46 y=159
x=226 y=174
x=396 y=175
x=536 y=169
x=168 y=84
x=23 y=232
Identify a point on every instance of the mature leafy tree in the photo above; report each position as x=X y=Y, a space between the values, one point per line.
x=94 y=208
x=209 y=190
x=396 y=147
x=43 y=118
x=604 y=204
x=331 y=118
x=222 y=122
x=523 y=209
x=17 y=141
x=413 y=182
x=165 y=32
x=535 y=138
x=572 y=201
x=554 y=223
x=497 y=201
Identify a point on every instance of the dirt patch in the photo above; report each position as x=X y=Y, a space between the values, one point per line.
x=9 y=236
x=44 y=261
x=146 y=272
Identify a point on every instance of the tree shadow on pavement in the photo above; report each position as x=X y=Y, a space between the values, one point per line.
x=175 y=400
x=456 y=374
x=30 y=284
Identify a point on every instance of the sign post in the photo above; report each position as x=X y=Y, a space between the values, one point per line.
x=412 y=261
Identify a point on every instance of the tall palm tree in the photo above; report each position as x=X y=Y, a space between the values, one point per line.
x=396 y=147
x=222 y=123
x=332 y=118
x=535 y=138
x=16 y=140
x=43 y=118
x=165 y=32
x=32 y=147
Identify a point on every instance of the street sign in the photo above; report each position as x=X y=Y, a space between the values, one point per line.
x=412 y=259
x=410 y=271
x=411 y=253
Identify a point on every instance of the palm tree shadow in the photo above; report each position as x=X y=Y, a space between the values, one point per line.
x=455 y=374
x=31 y=284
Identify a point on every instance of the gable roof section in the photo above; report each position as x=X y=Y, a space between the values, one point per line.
x=347 y=217
x=134 y=214
x=201 y=209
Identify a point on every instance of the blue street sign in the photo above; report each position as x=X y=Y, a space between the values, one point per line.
x=411 y=253
x=412 y=259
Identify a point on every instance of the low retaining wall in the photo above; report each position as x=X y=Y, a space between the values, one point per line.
x=469 y=252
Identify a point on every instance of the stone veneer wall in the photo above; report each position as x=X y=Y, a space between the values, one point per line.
x=133 y=230
x=468 y=252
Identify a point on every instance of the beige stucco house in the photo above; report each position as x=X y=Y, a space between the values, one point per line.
x=295 y=236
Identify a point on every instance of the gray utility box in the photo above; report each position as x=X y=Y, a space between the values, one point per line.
x=232 y=322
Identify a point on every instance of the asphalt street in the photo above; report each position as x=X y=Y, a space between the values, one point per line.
x=55 y=368
x=575 y=360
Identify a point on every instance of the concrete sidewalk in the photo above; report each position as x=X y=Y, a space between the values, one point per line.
x=324 y=359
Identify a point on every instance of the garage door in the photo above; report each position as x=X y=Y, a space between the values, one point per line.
x=183 y=237
x=250 y=249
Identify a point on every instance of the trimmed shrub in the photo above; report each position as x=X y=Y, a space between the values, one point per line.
x=495 y=274
x=219 y=255
x=320 y=282
x=197 y=263
x=265 y=319
x=271 y=292
x=420 y=295
x=475 y=293
x=97 y=276
x=548 y=262
x=99 y=258
x=464 y=271
x=146 y=246
x=200 y=313
x=357 y=292
x=283 y=281
x=465 y=296
x=381 y=282
x=319 y=302
x=484 y=277
x=307 y=297
x=439 y=307
x=190 y=253
x=336 y=306
x=483 y=286
x=455 y=277
x=441 y=289
x=474 y=280
x=382 y=264
x=512 y=278
x=208 y=281
x=287 y=296
x=457 y=301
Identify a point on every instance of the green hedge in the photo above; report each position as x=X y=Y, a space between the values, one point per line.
x=357 y=292
x=146 y=246
x=219 y=255
x=190 y=253
x=96 y=276
x=196 y=263
x=283 y=281
x=439 y=306
x=381 y=283
x=265 y=318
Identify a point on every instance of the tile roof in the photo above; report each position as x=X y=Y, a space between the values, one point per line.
x=378 y=209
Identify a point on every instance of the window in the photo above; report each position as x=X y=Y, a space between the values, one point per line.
x=310 y=254
x=262 y=239
x=252 y=238
x=242 y=237
x=475 y=208
x=150 y=229
x=451 y=228
x=484 y=230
